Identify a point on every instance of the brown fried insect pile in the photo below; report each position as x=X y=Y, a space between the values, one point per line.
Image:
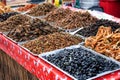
x=51 y=42
x=41 y=9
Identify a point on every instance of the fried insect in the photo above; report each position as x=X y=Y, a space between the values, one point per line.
x=105 y=42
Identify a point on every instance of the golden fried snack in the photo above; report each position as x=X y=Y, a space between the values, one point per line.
x=4 y=9
x=105 y=42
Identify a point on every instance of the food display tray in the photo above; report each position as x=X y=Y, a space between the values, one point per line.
x=84 y=48
x=33 y=64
